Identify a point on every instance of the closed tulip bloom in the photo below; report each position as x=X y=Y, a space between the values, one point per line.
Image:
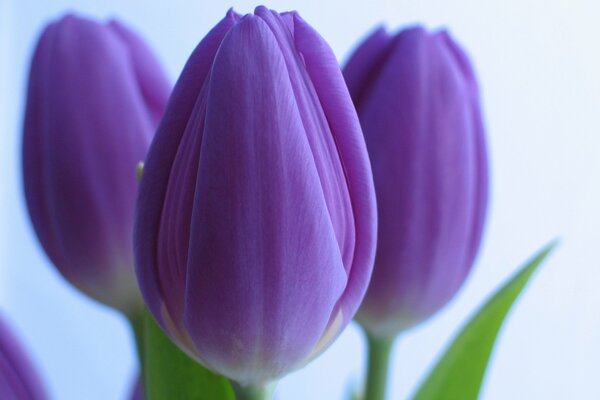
x=418 y=103
x=96 y=94
x=18 y=378
x=255 y=228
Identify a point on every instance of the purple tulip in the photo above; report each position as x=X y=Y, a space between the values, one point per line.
x=418 y=103
x=255 y=228
x=96 y=94
x=137 y=392
x=18 y=379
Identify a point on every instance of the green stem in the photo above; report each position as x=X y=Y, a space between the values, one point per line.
x=380 y=350
x=252 y=392
x=137 y=321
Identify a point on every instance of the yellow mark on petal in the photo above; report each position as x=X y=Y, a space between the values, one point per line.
x=139 y=170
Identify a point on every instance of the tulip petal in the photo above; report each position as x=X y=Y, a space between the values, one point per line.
x=154 y=85
x=32 y=174
x=333 y=95
x=366 y=62
x=265 y=269
x=18 y=378
x=160 y=286
x=321 y=140
x=481 y=162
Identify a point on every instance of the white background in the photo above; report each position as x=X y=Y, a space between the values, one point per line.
x=539 y=65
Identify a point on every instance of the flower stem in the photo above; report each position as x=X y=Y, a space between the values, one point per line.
x=252 y=392
x=380 y=350
x=137 y=321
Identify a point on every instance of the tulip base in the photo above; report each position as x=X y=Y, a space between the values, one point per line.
x=380 y=350
x=253 y=392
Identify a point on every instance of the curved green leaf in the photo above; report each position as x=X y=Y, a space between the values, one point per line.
x=460 y=371
x=170 y=374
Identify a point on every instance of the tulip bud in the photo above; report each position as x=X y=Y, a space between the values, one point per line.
x=255 y=226
x=96 y=94
x=18 y=378
x=418 y=103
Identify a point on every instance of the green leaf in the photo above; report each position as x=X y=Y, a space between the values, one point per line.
x=171 y=374
x=460 y=371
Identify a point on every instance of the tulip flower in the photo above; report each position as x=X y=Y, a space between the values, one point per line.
x=18 y=378
x=417 y=99
x=96 y=94
x=255 y=227
x=137 y=392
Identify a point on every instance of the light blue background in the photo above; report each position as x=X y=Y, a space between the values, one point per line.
x=539 y=64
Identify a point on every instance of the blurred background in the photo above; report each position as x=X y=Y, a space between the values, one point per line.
x=538 y=63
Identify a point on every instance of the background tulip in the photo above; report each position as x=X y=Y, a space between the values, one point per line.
x=96 y=94
x=137 y=392
x=418 y=103
x=18 y=378
x=255 y=226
